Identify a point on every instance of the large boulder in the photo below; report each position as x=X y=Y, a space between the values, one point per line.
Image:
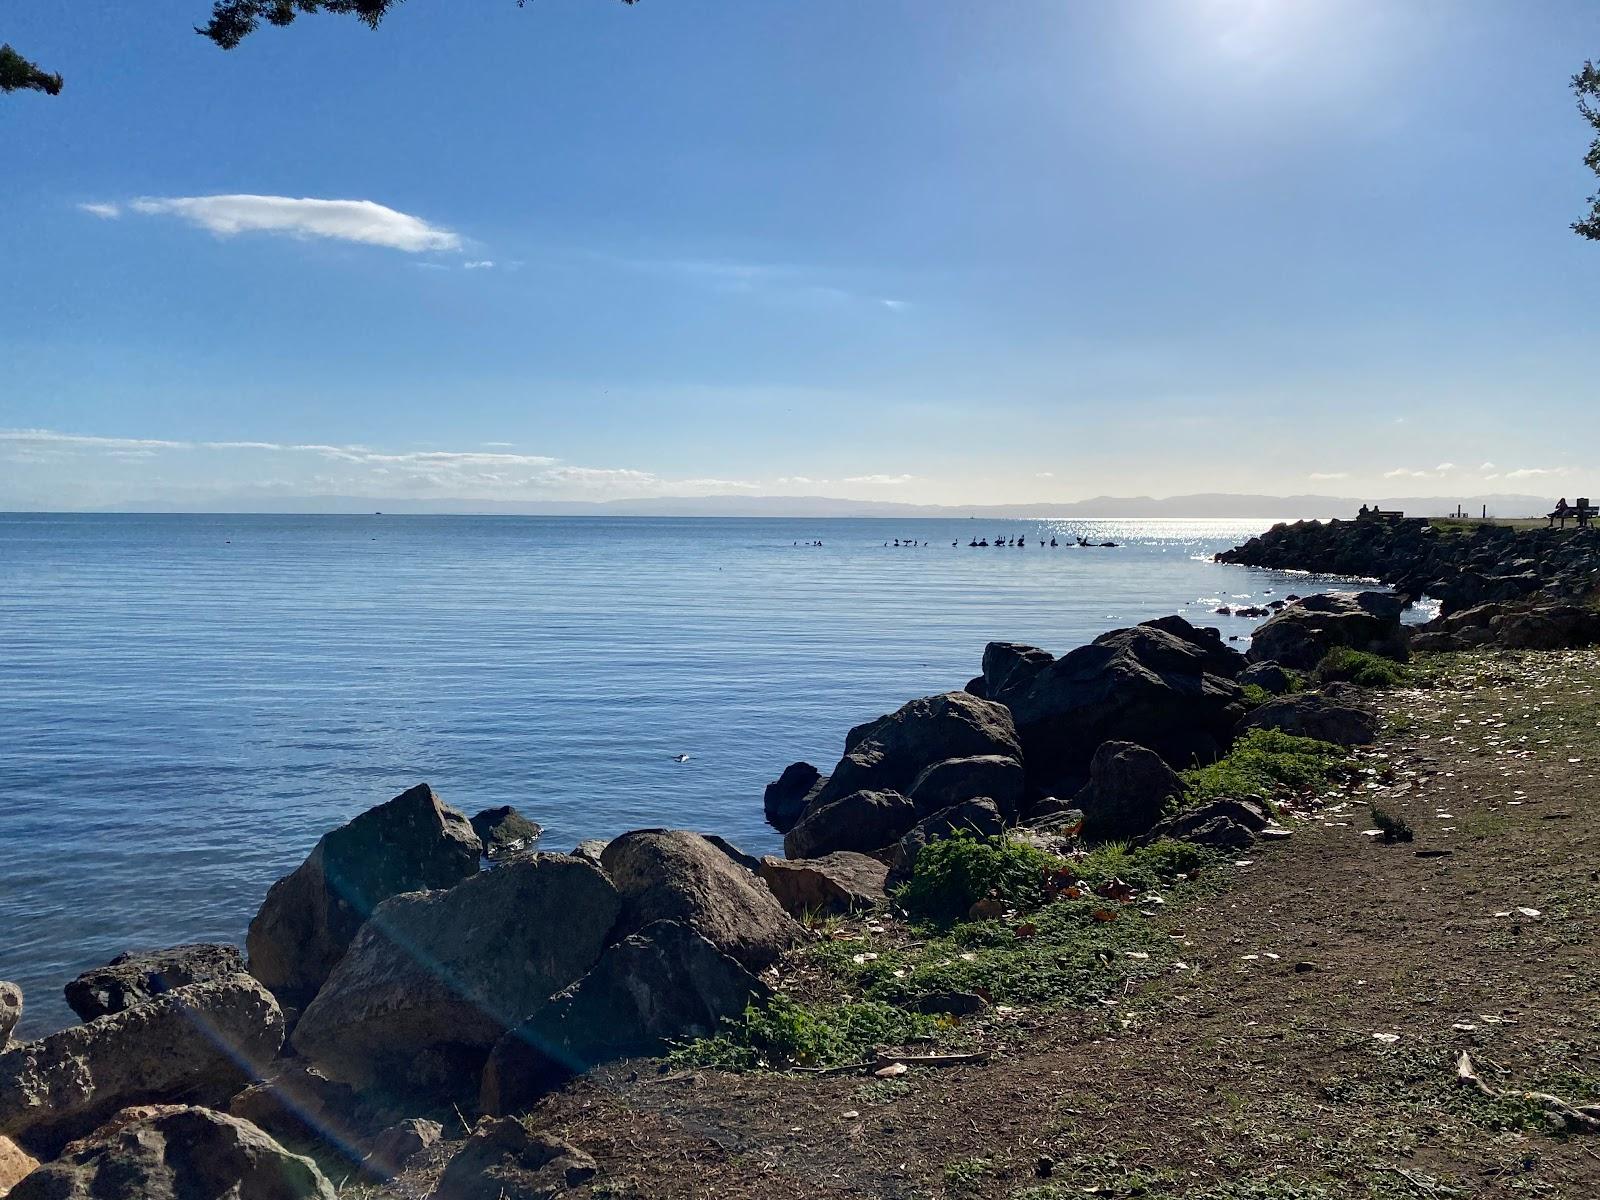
x=1009 y=667
x=841 y=882
x=177 y=1153
x=662 y=985
x=138 y=976
x=1142 y=684
x=997 y=776
x=671 y=875
x=1221 y=658
x=1549 y=627
x=505 y=831
x=890 y=753
x=787 y=797
x=502 y=1160
x=304 y=1109
x=980 y=818
x=1314 y=716
x=1303 y=632
x=434 y=979
x=1129 y=788
x=1268 y=676
x=411 y=843
x=200 y=1043
x=10 y=1011
x=862 y=821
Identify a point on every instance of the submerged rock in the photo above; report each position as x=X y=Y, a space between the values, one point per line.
x=434 y=979
x=787 y=797
x=505 y=831
x=177 y=1153
x=202 y=1043
x=661 y=985
x=841 y=882
x=139 y=976
x=862 y=821
x=411 y=843
x=504 y=1161
x=671 y=875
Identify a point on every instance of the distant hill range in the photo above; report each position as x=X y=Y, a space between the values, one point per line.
x=1219 y=505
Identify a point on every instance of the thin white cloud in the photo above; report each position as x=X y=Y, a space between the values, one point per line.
x=1044 y=474
x=363 y=221
x=106 y=212
x=1444 y=468
x=1536 y=472
x=478 y=264
x=1329 y=475
x=1407 y=473
x=887 y=480
x=1488 y=466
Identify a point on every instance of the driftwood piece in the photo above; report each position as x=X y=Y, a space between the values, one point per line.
x=1577 y=1118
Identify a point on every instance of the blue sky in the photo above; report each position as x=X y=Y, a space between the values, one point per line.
x=908 y=249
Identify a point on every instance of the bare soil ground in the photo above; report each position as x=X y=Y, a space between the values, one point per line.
x=1304 y=1045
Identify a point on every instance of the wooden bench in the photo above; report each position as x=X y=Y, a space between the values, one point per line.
x=1582 y=512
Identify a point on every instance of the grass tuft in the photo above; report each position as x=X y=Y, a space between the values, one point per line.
x=1342 y=664
x=1268 y=762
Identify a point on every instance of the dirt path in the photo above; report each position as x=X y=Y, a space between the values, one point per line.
x=1305 y=1049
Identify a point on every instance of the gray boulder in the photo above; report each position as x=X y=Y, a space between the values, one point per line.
x=841 y=882
x=591 y=849
x=177 y=1153
x=302 y=1108
x=1303 y=632
x=411 y=843
x=200 y=1043
x=1314 y=716
x=397 y=1146
x=138 y=976
x=1220 y=658
x=502 y=1160
x=787 y=797
x=661 y=985
x=505 y=831
x=1222 y=824
x=434 y=979
x=1268 y=676
x=1009 y=667
x=671 y=875
x=955 y=780
x=1142 y=684
x=10 y=1011
x=862 y=821
x=888 y=754
x=1129 y=787
x=979 y=817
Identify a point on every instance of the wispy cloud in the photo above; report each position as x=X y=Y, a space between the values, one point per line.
x=883 y=480
x=1329 y=475
x=479 y=264
x=106 y=212
x=363 y=221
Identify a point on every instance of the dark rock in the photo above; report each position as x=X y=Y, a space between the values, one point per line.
x=843 y=881
x=661 y=985
x=591 y=849
x=1549 y=627
x=955 y=1004
x=398 y=1145
x=1314 y=716
x=980 y=818
x=504 y=1161
x=434 y=979
x=177 y=1153
x=302 y=1108
x=1268 y=676
x=956 y=780
x=1221 y=659
x=1301 y=634
x=976 y=686
x=136 y=977
x=1129 y=787
x=1009 y=667
x=411 y=843
x=10 y=1011
x=1141 y=684
x=670 y=875
x=1219 y=833
x=505 y=831
x=861 y=821
x=787 y=796
x=1214 y=824
x=748 y=861
x=200 y=1043
x=888 y=754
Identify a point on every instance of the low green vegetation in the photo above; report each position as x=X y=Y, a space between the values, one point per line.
x=1255 y=695
x=1394 y=827
x=1068 y=931
x=1268 y=763
x=1342 y=664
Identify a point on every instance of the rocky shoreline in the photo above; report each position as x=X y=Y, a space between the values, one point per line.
x=391 y=978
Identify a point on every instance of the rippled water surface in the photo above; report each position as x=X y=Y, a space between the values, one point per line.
x=187 y=703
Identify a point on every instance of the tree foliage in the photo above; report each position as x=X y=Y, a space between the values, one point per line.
x=1586 y=83
x=17 y=74
x=234 y=20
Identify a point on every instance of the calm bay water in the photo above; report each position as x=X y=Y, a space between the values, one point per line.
x=188 y=702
